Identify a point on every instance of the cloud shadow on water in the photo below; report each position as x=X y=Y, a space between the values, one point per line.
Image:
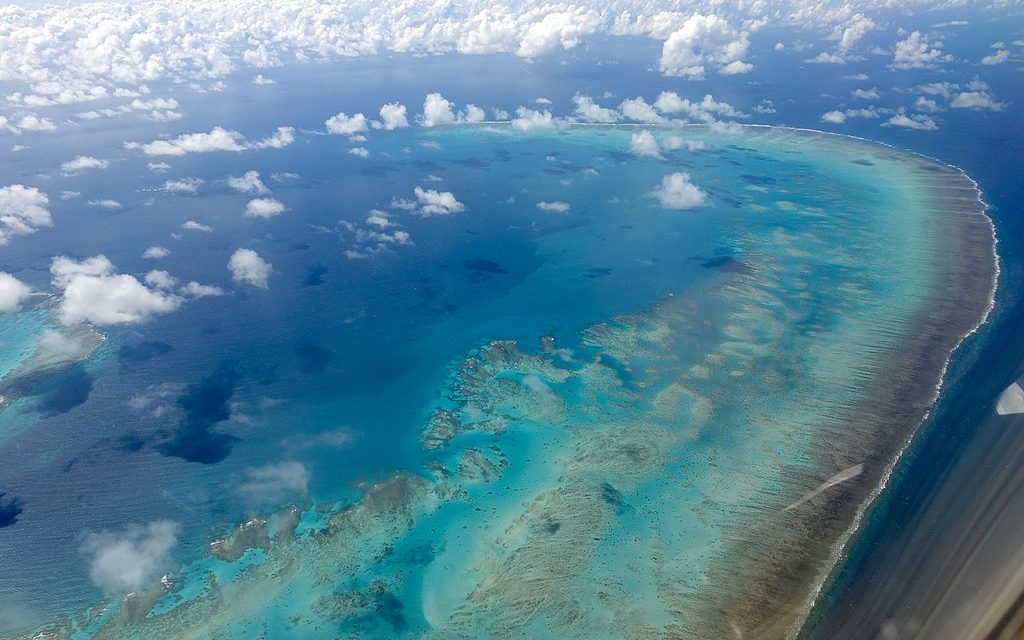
x=9 y=510
x=205 y=404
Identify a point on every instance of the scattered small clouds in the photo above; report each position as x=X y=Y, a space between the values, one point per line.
x=917 y=51
x=93 y=291
x=361 y=152
x=12 y=292
x=866 y=94
x=977 y=100
x=246 y=266
x=264 y=208
x=217 y=139
x=261 y=79
x=23 y=210
x=132 y=560
x=677 y=192
x=159 y=167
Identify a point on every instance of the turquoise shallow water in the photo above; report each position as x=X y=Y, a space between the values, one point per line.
x=570 y=424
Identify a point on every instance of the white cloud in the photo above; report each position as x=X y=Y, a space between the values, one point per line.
x=195 y=290
x=866 y=94
x=92 y=291
x=32 y=122
x=12 y=292
x=916 y=122
x=23 y=210
x=158 y=167
x=432 y=203
x=192 y=225
x=644 y=144
x=264 y=208
x=81 y=163
x=261 y=79
x=590 y=111
x=184 y=185
x=527 y=119
x=999 y=57
x=361 y=152
x=557 y=207
x=218 y=139
x=916 y=51
x=473 y=113
x=156 y=253
x=638 y=109
x=704 y=41
x=980 y=99
x=849 y=33
x=127 y=562
x=393 y=116
x=707 y=110
x=275 y=483
x=247 y=266
x=249 y=183
x=677 y=192
x=557 y=29
x=160 y=279
x=927 y=105
x=345 y=125
x=834 y=117
x=105 y=203
x=673 y=143
x=437 y=110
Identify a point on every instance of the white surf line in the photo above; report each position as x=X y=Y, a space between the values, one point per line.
x=846 y=474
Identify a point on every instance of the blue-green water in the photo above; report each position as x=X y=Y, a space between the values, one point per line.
x=699 y=371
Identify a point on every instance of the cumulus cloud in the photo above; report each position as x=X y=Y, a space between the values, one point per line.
x=557 y=206
x=23 y=210
x=644 y=144
x=999 y=57
x=121 y=563
x=707 y=110
x=361 y=152
x=105 y=203
x=437 y=110
x=82 y=163
x=436 y=203
x=393 y=116
x=677 y=192
x=638 y=109
x=275 y=483
x=916 y=122
x=217 y=139
x=248 y=267
x=343 y=124
x=527 y=119
x=590 y=111
x=979 y=99
x=195 y=290
x=916 y=51
x=702 y=42
x=249 y=183
x=264 y=208
x=557 y=29
x=866 y=94
x=184 y=185
x=160 y=279
x=192 y=225
x=12 y=292
x=156 y=253
x=92 y=291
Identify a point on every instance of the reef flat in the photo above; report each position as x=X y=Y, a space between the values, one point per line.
x=687 y=470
